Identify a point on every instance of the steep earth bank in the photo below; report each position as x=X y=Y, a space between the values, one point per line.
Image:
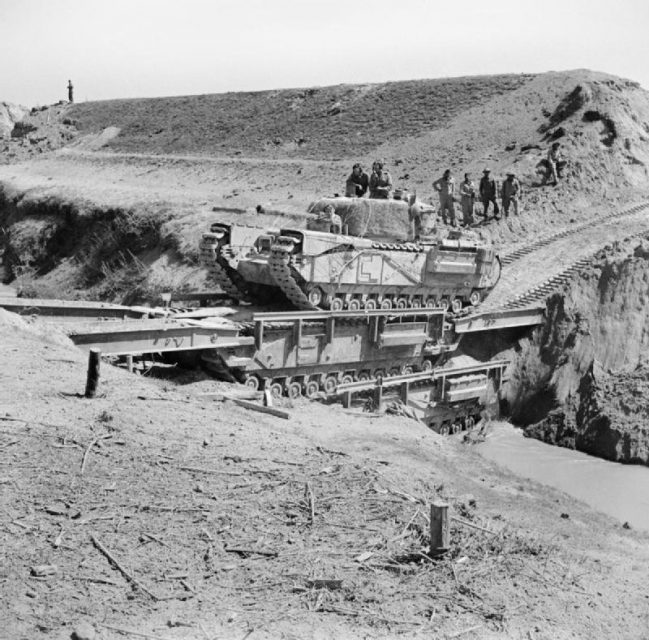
x=580 y=380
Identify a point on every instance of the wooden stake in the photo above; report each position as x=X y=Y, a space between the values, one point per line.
x=439 y=529
x=94 y=359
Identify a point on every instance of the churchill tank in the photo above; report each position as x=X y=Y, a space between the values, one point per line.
x=450 y=269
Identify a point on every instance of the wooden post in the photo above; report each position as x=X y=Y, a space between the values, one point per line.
x=439 y=531
x=129 y=364
x=347 y=399
x=94 y=360
x=404 y=392
x=378 y=395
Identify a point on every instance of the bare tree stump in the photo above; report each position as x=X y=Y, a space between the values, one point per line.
x=94 y=360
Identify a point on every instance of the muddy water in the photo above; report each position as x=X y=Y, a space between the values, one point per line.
x=621 y=491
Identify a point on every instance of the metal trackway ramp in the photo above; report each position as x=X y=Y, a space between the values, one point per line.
x=157 y=338
x=500 y=319
x=69 y=309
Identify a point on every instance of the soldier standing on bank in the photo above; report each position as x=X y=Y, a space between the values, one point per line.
x=511 y=191
x=488 y=193
x=445 y=186
x=467 y=193
x=70 y=91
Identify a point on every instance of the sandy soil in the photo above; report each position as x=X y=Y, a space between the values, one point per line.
x=170 y=483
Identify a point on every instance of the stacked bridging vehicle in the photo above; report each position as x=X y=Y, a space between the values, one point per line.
x=368 y=308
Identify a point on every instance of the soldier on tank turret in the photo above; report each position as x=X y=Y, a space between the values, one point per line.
x=357 y=183
x=380 y=182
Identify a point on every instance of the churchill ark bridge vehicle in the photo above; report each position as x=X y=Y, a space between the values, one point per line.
x=297 y=353
x=320 y=270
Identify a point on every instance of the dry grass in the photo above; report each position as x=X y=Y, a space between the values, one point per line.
x=291 y=122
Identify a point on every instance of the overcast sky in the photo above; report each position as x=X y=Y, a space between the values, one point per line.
x=136 y=48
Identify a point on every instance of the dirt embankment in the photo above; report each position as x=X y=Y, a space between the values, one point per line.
x=230 y=524
x=580 y=381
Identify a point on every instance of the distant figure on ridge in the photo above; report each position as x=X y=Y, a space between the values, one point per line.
x=380 y=182
x=556 y=162
x=488 y=192
x=70 y=91
x=357 y=183
x=467 y=194
x=511 y=191
x=445 y=186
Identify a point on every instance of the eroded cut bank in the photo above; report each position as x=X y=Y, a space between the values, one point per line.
x=581 y=379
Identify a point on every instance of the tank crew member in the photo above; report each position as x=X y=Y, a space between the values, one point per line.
x=445 y=186
x=555 y=162
x=467 y=193
x=380 y=182
x=511 y=192
x=357 y=183
x=488 y=192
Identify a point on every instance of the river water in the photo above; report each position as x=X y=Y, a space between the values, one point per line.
x=621 y=491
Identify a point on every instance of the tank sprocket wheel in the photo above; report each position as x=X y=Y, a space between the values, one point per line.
x=456 y=305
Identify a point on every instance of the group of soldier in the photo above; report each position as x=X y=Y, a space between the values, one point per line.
x=487 y=192
x=379 y=185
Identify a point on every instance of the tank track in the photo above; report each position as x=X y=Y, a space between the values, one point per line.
x=280 y=268
x=221 y=271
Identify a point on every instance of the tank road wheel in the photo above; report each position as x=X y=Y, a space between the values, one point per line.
x=395 y=371
x=408 y=370
x=347 y=379
x=445 y=429
x=294 y=390
x=330 y=384
x=386 y=303
x=431 y=303
x=315 y=296
x=402 y=303
x=475 y=298
x=379 y=373
x=444 y=303
x=370 y=304
x=354 y=304
x=427 y=365
x=364 y=376
x=311 y=388
x=415 y=303
x=251 y=381
x=276 y=389
x=456 y=305
x=337 y=304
